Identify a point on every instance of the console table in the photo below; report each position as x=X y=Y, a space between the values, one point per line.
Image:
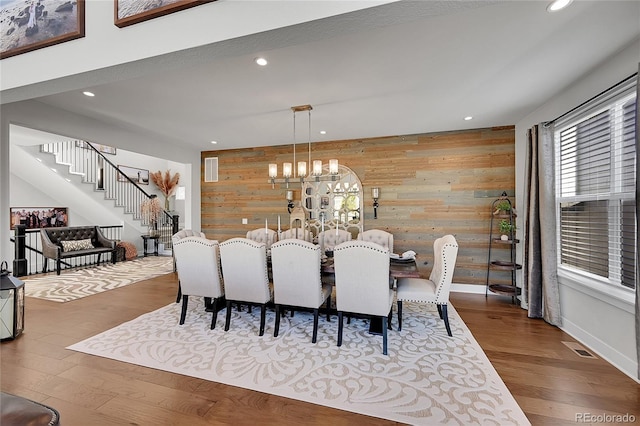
x=145 y=240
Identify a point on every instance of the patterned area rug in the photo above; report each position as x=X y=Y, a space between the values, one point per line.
x=428 y=378
x=72 y=285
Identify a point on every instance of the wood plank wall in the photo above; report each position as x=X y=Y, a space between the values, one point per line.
x=430 y=185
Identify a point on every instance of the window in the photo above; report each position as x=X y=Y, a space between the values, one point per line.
x=596 y=173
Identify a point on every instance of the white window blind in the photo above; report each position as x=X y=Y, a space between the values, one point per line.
x=596 y=152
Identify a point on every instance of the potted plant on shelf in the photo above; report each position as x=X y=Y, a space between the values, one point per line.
x=506 y=228
x=502 y=208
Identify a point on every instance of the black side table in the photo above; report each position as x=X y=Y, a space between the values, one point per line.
x=145 y=239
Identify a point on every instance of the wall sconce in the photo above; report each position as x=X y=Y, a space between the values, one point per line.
x=290 y=204
x=375 y=194
x=181 y=193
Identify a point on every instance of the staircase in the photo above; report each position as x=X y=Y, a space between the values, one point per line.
x=83 y=159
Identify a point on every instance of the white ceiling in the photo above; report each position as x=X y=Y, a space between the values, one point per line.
x=402 y=68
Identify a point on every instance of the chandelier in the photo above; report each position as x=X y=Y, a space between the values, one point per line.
x=302 y=173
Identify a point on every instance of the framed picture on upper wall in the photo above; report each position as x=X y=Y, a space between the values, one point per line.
x=39 y=217
x=139 y=176
x=34 y=24
x=129 y=12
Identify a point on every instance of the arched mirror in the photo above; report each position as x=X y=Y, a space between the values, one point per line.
x=331 y=204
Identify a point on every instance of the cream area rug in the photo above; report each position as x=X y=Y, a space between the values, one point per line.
x=72 y=285
x=428 y=378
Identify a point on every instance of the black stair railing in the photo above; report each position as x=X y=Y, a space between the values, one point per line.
x=84 y=159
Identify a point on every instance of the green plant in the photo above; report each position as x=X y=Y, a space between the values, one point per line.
x=504 y=206
x=506 y=227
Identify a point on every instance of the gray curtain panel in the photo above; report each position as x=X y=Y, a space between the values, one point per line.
x=637 y=223
x=540 y=248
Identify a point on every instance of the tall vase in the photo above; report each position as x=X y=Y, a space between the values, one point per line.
x=166 y=203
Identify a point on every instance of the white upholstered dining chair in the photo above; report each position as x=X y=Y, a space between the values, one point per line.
x=184 y=233
x=362 y=283
x=330 y=238
x=378 y=236
x=262 y=235
x=244 y=267
x=436 y=288
x=296 y=279
x=198 y=265
x=296 y=233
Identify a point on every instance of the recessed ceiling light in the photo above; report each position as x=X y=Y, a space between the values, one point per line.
x=323 y=132
x=54 y=170
x=90 y=94
x=67 y=179
x=556 y=5
x=214 y=142
x=261 y=61
x=467 y=118
x=39 y=159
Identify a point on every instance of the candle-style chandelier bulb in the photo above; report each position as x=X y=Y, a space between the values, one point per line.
x=302 y=169
x=286 y=170
x=317 y=168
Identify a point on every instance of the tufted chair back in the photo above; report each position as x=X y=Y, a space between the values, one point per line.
x=244 y=267
x=296 y=233
x=330 y=238
x=56 y=235
x=378 y=236
x=267 y=237
x=184 y=233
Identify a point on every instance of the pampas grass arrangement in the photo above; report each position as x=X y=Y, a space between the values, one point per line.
x=166 y=183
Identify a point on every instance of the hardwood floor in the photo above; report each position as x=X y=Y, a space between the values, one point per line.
x=550 y=382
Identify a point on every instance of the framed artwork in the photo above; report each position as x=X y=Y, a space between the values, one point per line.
x=129 y=12
x=39 y=217
x=34 y=24
x=139 y=176
x=106 y=149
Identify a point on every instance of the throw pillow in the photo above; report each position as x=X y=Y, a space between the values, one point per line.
x=74 y=245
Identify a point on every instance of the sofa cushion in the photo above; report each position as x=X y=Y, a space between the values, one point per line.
x=74 y=245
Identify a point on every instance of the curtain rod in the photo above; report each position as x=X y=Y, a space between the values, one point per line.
x=590 y=99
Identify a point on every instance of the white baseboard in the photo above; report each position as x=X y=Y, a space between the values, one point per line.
x=623 y=363
x=470 y=288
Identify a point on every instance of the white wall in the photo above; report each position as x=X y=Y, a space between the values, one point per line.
x=599 y=317
x=106 y=46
